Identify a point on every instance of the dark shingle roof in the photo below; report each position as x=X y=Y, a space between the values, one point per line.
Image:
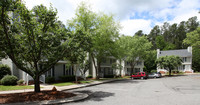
x=181 y=53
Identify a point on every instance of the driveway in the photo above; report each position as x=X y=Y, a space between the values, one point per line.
x=180 y=90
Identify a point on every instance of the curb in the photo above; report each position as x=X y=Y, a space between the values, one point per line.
x=78 y=97
x=88 y=85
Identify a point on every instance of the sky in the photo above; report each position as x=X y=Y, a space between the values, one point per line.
x=133 y=15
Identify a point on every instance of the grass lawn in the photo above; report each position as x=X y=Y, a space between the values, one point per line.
x=63 y=84
x=6 y=88
x=69 y=83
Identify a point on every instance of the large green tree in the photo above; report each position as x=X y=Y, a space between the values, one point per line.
x=98 y=31
x=33 y=39
x=135 y=48
x=169 y=62
x=193 y=39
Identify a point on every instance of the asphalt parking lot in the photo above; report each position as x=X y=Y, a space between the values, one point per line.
x=177 y=90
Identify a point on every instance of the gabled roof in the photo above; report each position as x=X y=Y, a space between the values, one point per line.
x=181 y=53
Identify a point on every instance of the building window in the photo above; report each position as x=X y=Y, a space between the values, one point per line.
x=183 y=67
x=184 y=59
x=139 y=63
x=64 y=69
x=112 y=61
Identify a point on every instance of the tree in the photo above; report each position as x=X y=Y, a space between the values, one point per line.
x=33 y=39
x=149 y=61
x=160 y=42
x=106 y=33
x=193 y=39
x=153 y=34
x=192 y=24
x=139 y=33
x=169 y=62
x=136 y=48
x=98 y=31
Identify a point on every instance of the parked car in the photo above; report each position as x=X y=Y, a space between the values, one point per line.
x=141 y=75
x=155 y=75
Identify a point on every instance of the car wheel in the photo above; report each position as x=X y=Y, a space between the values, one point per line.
x=142 y=77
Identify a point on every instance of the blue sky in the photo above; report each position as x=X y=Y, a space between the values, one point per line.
x=133 y=15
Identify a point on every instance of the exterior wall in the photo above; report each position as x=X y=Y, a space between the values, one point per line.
x=137 y=68
x=106 y=67
x=58 y=71
x=186 y=65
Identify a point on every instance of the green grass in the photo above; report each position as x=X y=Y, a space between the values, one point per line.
x=70 y=83
x=63 y=84
x=85 y=81
x=6 y=88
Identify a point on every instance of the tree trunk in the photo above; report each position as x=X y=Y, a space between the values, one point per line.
x=37 y=83
x=98 y=68
x=94 y=65
x=75 y=70
x=120 y=69
x=170 y=72
x=132 y=67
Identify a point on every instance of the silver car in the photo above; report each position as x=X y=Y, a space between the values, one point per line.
x=154 y=75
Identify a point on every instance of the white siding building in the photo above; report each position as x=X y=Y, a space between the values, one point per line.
x=184 y=54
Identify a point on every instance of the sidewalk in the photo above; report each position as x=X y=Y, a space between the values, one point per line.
x=61 y=88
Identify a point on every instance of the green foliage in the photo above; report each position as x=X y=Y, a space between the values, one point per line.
x=20 y=82
x=50 y=79
x=89 y=76
x=134 y=48
x=153 y=71
x=96 y=32
x=4 y=70
x=32 y=37
x=67 y=78
x=9 y=80
x=169 y=62
x=149 y=61
x=193 y=39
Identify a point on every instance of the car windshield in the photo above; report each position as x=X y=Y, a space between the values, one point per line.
x=151 y=73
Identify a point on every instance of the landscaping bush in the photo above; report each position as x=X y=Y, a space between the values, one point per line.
x=4 y=70
x=9 y=80
x=175 y=71
x=20 y=82
x=49 y=79
x=153 y=71
x=109 y=76
x=89 y=76
x=67 y=78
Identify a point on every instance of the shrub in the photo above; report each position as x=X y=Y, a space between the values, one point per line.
x=20 y=82
x=67 y=78
x=89 y=76
x=153 y=71
x=4 y=70
x=175 y=71
x=9 y=80
x=49 y=79
x=109 y=76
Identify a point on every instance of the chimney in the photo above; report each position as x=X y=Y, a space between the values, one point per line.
x=189 y=49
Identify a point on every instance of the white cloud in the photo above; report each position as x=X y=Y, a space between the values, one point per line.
x=129 y=27
x=158 y=11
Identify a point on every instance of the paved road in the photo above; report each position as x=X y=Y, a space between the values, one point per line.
x=180 y=90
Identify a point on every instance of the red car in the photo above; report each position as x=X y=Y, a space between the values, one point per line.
x=141 y=75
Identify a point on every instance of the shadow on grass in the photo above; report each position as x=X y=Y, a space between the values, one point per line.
x=96 y=96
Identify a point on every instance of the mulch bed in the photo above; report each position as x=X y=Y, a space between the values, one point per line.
x=32 y=96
